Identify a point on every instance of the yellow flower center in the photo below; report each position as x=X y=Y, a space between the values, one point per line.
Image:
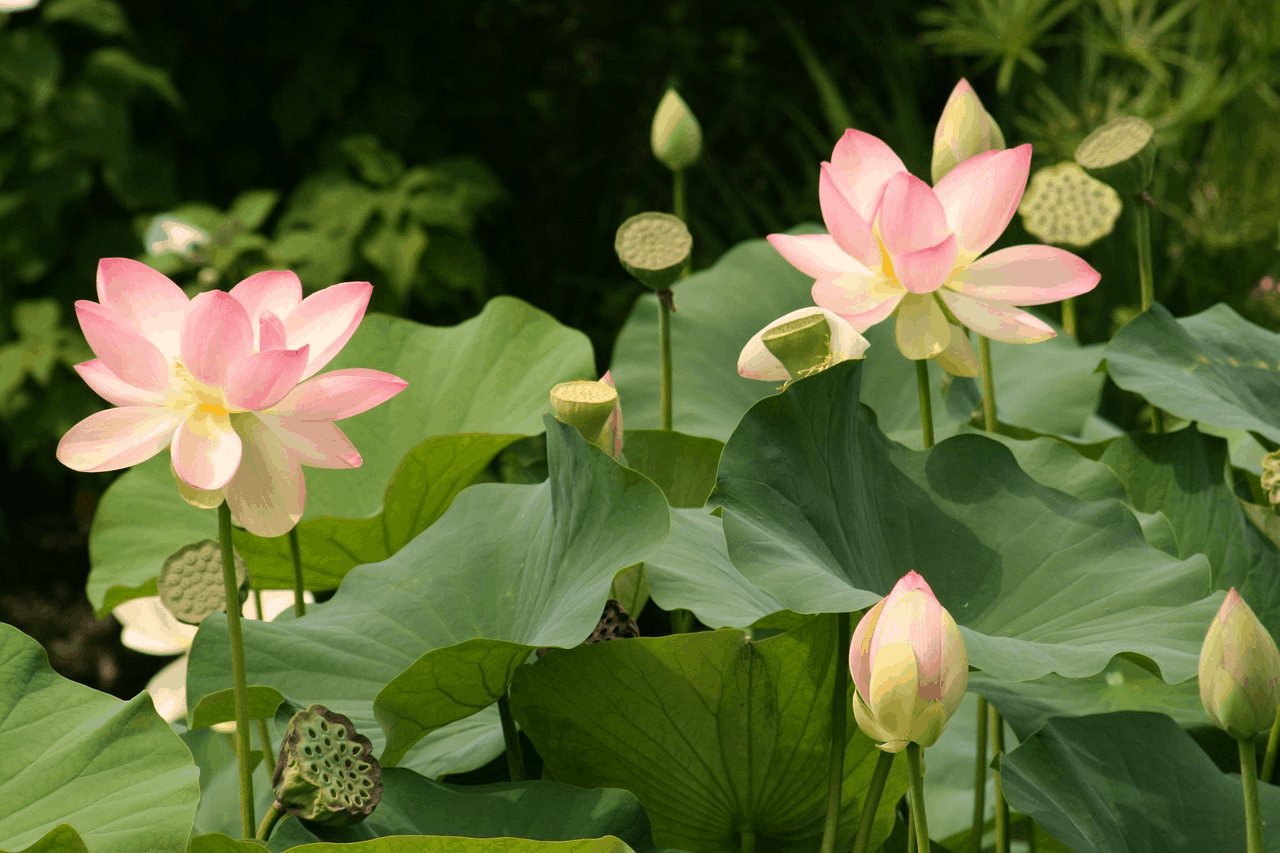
x=886 y=262
x=213 y=409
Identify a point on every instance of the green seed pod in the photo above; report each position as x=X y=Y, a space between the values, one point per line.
x=326 y=772
x=653 y=248
x=803 y=345
x=676 y=137
x=1063 y=204
x=190 y=584
x=1271 y=476
x=586 y=406
x=1121 y=153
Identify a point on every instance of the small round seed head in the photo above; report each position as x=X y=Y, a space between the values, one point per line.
x=190 y=583
x=1063 y=204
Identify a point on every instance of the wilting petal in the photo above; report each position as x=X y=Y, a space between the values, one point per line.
x=850 y=231
x=122 y=349
x=925 y=270
x=205 y=452
x=326 y=320
x=113 y=389
x=340 y=394
x=268 y=492
x=117 y=438
x=277 y=291
x=910 y=217
x=271 y=333
x=320 y=444
x=922 y=330
x=215 y=333
x=816 y=255
x=958 y=358
x=865 y=164
x=262 y=379
x=998 y=321
x=1027 y=275
x=145 y=299
x=981 y=195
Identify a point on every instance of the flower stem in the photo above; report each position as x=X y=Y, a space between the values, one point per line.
x=1002 y=808
x=872 y=801
x=980 y=779
x=1146 y=278
x=926 y=403
x=911 y=835
x=1069 y=316
x=988 y=385
x=747 y=837
x=1269 y=760
x=515 y=754
x=664 y=349
x=269 y=821
x=267 y=751
x=839 y=720
x=239 y=680
x=299 y=588
x=1252 y=808
x=915 y=779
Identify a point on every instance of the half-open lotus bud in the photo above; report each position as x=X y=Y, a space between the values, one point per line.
x=965 y=130
x=586 y=406
x=1121 y=153
x=190 y=584
x=675 y=136
x=653 y=248
x=1063 y=204
x=326 y=772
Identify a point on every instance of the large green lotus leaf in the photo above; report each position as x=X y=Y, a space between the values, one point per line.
x=692 y=570
x=683 y=466
x=1129 y=782
x=61 y=839
x=1214 y=366
x=488 y=375
x=435 y=632
x=712 y=732
x=422 y=844
x=113 y=771
x=544 y=811
x=1183 y=475
x=825 y=513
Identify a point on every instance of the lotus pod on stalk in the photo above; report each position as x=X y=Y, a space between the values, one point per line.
x=653 y=248
x=1063 y=204
x=326 y=772
x=191 y=585
x=1121 y=153
x=1271 y=477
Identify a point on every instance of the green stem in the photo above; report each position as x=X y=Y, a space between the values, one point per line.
x=1269 y=761
x=1069 y=316
x=239 y=680
x=872 y=801
x=267 y=752
x=747 y=837
x=1252 y=809
x=515 y=754
x=915 y=779
x=678 y=206
x=299 y=588
x=1002 y=808
x=988 y=385
x=257 y=603
x=911 y=835
x=980 y=779
x=1146 y=278
x=839 y=720
x=664 y=348
x=926 y=403
x=681 y=621
x=269 y=820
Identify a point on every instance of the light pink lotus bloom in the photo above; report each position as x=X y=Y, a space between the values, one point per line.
x=898 y=245
x=219 y=379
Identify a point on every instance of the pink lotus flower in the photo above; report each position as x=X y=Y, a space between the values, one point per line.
x=898 y=245
x=217 y=380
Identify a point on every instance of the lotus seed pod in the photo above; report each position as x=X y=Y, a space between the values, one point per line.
x=191 y=586
x=615 y=624
x=586 y=406
x=1063 y=204
x=326 y=772
x=676 y=137
x=1271 y=476
x=803 y=345
x=653 y=248
x=1121 y=153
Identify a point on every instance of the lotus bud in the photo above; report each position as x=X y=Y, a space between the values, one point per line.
x=1271 y=476
x=965 y=130
x=800 y=344
x=1239 y=671
x=191 y=584
x=909 y=666
x=1121 y=153
x=326 y=772
x=676 y=137
x=589 y=407
x=653 y=248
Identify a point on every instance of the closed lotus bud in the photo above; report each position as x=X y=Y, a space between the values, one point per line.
x=1239 y=671
x=1271 y=476
x=676 y=136
x=965 y=130
x=909 y=666
x=592 y=409
x=800 y=344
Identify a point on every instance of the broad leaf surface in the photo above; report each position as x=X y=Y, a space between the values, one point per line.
x=421 y=844
x=435 y=632
x=712 y=732
x=113 y=771
x=825 y=514
x=683 y=466
x=61 y=839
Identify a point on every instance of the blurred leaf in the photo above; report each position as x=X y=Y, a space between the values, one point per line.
x=30 y=62
x=117 y=67
x=36 y=320
x=373 y=163
x=104 y=17
x=395 y=252
x=252 y=207
x=457 y=262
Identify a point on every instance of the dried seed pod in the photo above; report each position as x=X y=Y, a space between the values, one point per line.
x=1271 y=476
x=1063 y=204
x=326 y=772
x=615 y=624
x=190 y=584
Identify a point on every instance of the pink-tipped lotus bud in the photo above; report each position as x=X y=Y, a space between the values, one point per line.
x=965 y=130
x=676 y=136
x=909 y=666
x=1239 y=671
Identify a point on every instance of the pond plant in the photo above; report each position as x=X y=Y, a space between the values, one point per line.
x=915 y=561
